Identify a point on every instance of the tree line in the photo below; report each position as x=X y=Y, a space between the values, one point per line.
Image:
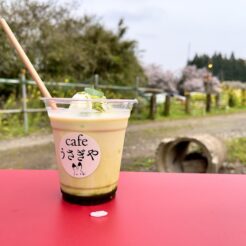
x=225 y=68
x=64 y=46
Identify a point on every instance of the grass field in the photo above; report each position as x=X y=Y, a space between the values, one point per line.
x=11 y=125
x=237 y=150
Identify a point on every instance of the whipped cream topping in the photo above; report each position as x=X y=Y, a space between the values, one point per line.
x=81 y=105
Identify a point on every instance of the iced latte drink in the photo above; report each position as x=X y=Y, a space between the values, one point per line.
x=89 y=143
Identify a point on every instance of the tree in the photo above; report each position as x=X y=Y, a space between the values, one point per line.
x=194 y=80
x=224 y=68
x=159 y=78
x=62 y=46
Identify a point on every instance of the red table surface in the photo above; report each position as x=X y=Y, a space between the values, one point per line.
x=149 y=209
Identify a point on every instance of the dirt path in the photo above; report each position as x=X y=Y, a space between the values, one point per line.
x=141 y=140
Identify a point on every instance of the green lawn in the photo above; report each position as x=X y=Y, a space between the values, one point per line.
x=177 y=111
x=236 y=150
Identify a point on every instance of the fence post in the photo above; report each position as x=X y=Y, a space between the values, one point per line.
x=96 y=84
x=167 y=105
x=187 y=103
x=243 y=96
x=208 y=90
x=136 y=108
x=136 y=86
x=24 y=99
x=208 y=102
x=231 y=102
x=152 y=111
x=217 y=100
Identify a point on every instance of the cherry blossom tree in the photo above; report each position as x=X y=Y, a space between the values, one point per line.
x=159 y=78
x=199 y=80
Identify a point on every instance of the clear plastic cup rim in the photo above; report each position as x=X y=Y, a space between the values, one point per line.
x=61 y=100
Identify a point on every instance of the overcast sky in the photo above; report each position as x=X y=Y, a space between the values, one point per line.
x=165 y=29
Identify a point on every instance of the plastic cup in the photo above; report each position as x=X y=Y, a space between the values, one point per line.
x=89 y=146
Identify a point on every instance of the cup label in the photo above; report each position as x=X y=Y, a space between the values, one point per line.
x=79 y=154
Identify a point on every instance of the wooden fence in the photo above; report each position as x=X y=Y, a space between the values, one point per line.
x=138 y=91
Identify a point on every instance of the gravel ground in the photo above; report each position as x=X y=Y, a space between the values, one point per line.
x=37 y=151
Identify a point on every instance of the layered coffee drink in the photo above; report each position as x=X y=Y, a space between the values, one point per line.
x=89 y=143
